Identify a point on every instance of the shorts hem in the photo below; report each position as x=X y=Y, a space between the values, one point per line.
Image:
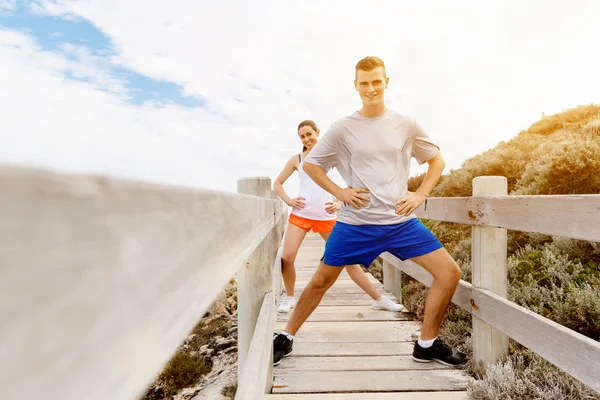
x=418 y=252
x=298 y=226
x=339 y=264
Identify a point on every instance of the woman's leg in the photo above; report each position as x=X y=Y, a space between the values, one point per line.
x=292 y=240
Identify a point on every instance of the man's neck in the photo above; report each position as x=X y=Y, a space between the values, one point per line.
x=372 y=111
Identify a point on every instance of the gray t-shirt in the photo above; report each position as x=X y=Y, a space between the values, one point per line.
x=374 y=153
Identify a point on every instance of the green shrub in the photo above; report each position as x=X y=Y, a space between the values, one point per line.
x=526 y=376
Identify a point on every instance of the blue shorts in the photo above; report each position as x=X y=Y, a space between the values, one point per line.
x=361 y=244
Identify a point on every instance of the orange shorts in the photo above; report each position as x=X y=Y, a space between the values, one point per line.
x=316 y=225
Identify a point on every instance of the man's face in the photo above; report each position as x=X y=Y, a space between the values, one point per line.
x=371 y=85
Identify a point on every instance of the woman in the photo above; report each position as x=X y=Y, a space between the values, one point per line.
x=313 y=209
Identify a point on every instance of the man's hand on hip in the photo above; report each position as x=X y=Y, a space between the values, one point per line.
x=353 y=197
x=409 y=203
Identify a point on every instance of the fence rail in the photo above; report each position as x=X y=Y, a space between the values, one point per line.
x=102 y=279
x=570 y=216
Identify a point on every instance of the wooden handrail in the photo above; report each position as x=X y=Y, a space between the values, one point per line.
x=101 y=279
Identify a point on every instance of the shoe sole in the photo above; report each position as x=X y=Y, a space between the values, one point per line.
x=286 y=355
x=383 y=308
x=421 y=360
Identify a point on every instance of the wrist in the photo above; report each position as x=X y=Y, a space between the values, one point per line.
x=421 y=193
x=337 y=192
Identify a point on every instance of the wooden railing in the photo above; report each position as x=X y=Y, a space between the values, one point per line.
x=102 y=279
x=491 y=212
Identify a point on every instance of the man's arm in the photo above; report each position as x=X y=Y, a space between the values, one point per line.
x=432 y=177
x=412 y=200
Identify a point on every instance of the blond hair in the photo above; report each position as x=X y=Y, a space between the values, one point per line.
x=369 y=64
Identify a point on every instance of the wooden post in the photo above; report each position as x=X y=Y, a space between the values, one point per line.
x=255 y=277
x=489 y=273
x=392 y=280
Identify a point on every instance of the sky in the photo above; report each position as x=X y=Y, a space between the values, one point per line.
x=199 y=94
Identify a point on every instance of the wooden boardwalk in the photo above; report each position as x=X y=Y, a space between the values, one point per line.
x=347 y=350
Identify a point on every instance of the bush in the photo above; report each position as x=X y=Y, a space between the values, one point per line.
x=230 y=391
x=526 y=376
x=571 y=119
x=549 y=283
x=529 y=151
x=571 y=166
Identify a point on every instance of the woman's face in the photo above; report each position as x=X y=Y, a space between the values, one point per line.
x=308 y=136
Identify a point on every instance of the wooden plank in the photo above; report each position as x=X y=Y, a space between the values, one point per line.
x=366 y=363
x=255 y=276
x=335 y=295
x=364 y=315
x=348 y=309
x=253 y=376
x=392 y=280
x=277 y=280
x=343 y=290
x=341 y=287
x=302 y=281
x=371 y=396
x=354 y=331
x=369 y=381
x=113 y=273
x=350 y=301
x=344 y=282
x=574 y=216
x=574 y=353
x=489 y=273
x=318 y=349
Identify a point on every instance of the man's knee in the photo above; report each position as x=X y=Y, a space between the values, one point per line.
x=322 y=281
x=452 y=273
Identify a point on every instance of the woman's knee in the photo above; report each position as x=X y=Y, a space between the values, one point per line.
x=288 y=258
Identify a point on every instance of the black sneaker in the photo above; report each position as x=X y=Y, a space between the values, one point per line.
x=282 y=347
x=439 y=352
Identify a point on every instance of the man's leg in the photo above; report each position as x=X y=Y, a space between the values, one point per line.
x=446 y=275
x=412 y=240
x=358 y=275
x=321 y=281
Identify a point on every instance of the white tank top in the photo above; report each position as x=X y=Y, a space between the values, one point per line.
x=315 y=197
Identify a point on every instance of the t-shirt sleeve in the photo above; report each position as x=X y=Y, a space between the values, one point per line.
x=423 y=148
x=324 y=154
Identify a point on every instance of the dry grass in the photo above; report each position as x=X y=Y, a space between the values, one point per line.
x=573 y=119
x=186 y=367
x=561 y=147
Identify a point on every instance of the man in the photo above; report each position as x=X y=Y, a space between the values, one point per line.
x=372 y=149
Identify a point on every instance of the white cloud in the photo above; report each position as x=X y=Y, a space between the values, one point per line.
x=70 y=125
x=8 y=5
x=473 y=73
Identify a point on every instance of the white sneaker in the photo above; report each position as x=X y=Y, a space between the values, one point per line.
x=287 y=303
x=386 y=304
